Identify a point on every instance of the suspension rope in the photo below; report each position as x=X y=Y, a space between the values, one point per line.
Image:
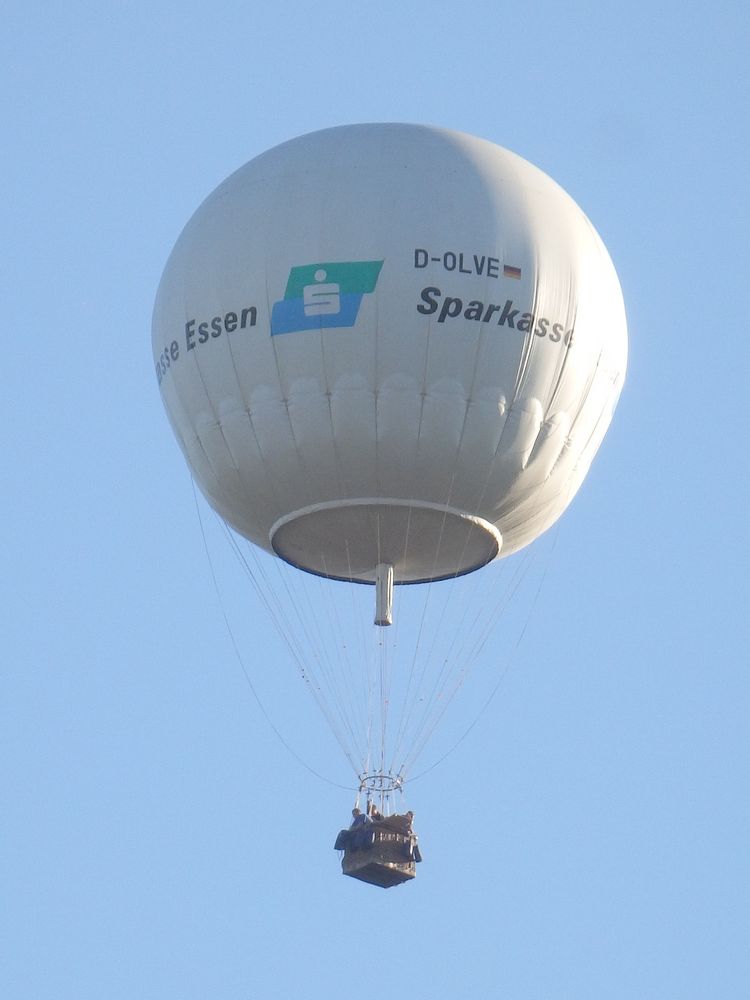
x=314 y=665
x=300 y=760
x=509 y=663
x=341 y=691
x=465 y=661
x=305 y=662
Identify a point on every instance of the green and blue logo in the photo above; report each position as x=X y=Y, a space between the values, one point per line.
x=324 y=295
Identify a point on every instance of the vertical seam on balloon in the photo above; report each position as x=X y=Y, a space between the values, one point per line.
x=582 y=450
x=376 y=366
x=585 y=393
x=217 y=422
x=209 y=403
x=282 y=393
x=248 y=413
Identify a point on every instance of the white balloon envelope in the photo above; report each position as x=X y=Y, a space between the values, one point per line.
x=389 y=346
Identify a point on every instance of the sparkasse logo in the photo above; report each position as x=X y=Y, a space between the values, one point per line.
x=324 y=295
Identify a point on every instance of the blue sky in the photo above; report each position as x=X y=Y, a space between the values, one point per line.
x=589 y=837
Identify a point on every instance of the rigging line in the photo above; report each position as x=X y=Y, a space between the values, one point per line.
x=404 y=700
x=284 y=628
x=352 y=699
x=483 y=597
x=429 y=734
x=299 y=591
x=341 y=690
x=304 y=669
x=419 y=695
x=508 y=664
x=382 y=662
x=484 y=584
x=412 y=692
x=468 y=656
x=266 y=596
x=300 y=760
x=350 y=675
x=309 y=651
x=387 y=675
x=390 y=665
x=426 y=734
x=356 y=671
x=458 y=656
x=269 y=597
x=383 y=699
x=406 y=711
x=485 y=623
x=299 y=597
x=451 y=661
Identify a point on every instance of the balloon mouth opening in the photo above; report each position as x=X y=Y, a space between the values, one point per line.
x=349 y=539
